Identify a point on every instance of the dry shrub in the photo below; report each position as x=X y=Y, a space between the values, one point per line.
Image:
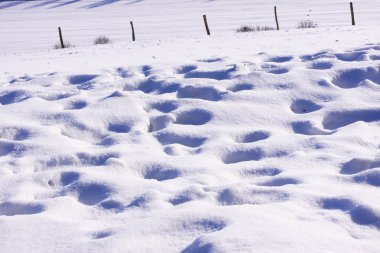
x=306 y=24
x=102 y=40
x=245 y=28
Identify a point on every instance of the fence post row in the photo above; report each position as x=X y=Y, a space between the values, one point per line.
x=275 y=14
x=60 y=37
x=133 y=32
x=352 y=13
x=206 y=25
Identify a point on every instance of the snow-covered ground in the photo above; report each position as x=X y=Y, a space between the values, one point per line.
x=254 y=142
x=27 y=25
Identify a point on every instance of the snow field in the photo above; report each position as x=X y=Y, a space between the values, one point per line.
x=182 y=142
x=31 y=25
x=280 y=153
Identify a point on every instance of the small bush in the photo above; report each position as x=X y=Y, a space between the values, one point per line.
x=306 y=24
x=66 y=44
x=244 y=29
x=102 y=40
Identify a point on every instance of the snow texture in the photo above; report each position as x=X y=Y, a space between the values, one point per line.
x=263 y=142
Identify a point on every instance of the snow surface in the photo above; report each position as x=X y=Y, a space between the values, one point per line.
x=27 y=25
x=258 y=142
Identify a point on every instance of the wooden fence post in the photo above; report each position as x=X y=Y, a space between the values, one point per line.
x=275 y=14
x=60 y=37
x=133 y=32
x=352 y=13
x=206 y=25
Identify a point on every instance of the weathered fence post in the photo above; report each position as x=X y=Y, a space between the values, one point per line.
x=133 y=32
x=352 y=13
x=60 y=37
x=275 y=14
x=206 y=25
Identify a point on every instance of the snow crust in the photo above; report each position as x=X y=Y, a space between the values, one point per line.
x=263 y=142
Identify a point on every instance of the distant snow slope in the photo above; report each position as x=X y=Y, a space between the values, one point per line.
x=255 y=142
x=33 y=24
